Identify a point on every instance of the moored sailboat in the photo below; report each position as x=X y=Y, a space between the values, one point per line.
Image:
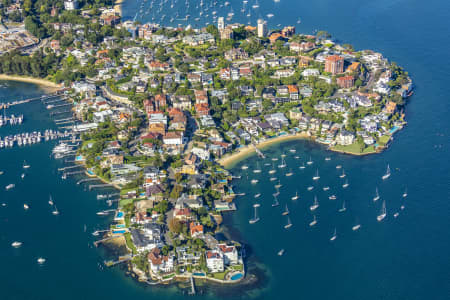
x=295 y=197
x=334 y=236
x=289 y=223
x=316 y=177
x=315 y=204
x=313 y=222
x=286 y=211
x=387 y=174
x=255 y=217
x=377 y=195
x=382 y=215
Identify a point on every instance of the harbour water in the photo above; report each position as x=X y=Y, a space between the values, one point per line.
x=399 y=258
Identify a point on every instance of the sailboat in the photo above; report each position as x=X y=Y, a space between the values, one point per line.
x=244 y=167
x=327 y=158
x=342 y=209
x=316 y=177
x=302 y=166
x=343 y=174
x=334 y=235
x=277 y=186
x=16 y=244
x=290 y=173
x=283 y=163
x=396 y=215
x=377 y=196
x=332 y=197
x=356 y=227
x=55 y=211
x=41 y=260
x=273 y=178
x=309 y=162
x=272 y=171
x=295 y=197
x=258 y=195
x=25 y=165
x=345 y=185
x=405 y=193
x=315 y=204
x=382 y=215
x=281 y=252
x=326 y=188
x=254 y=181
x=255 y=218
x=286 y=211
x=275 y=201
x=313 y=222
x=292 y=150
x=289 y=224
x=25 y=206
x=258 y=169
x=388 y=173
x=310 y=188
x=50 y=201
x=338 y=167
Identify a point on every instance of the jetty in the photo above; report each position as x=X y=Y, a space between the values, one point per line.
x=73 y=173
x=121 y=259
x=192 y=292
x=86 y=180
x=94 y=186
x=69 y=167
x=260 y=154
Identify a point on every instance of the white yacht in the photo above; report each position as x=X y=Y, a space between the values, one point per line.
x=332 y=197
x=25 y=206
x=345 y=185
x=356 y=227
x=41 y=260
x=316 y=177
x=343 y=208
x=244 y=167
x=396 y=215
x=10 y=186
x=309 y=162
x=387 y=174
x=343 y=174
x=281 y=252
x=25 y=165
x=286 y=211
x=405 y=193
x=255 y=217
x=16 y=244
x=273 y=178
x=382 y=215
x=315 y=204
x=302 y=166
x=310 y=188
x=254 y=181
x=334 y=235
x=289 y=224
x=338 y=167
x=55 y=211
x=258 y=195
x=326 y=188
x=295 y=197
x=313 y=222
x=290 y=173
x=377 y=195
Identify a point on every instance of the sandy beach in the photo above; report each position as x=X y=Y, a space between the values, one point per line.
x=47 y=84
x=244 y=152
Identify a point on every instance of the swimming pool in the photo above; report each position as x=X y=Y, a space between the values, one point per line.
x=121 y=231
x=120 y=226
x=237 y=276
x=198 y=274
x=120 y=214
x=393 y=129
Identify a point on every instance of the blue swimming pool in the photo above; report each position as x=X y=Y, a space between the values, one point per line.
x=120 y=226
x=119 y=231
x=199 y=274
x=237 y=276
x=120 y=214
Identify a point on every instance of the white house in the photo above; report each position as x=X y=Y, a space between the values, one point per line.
x=310 y=72
x=214 y=261
x=230 y=254
x=345 y=138
x=159 y=262
x=173 y=138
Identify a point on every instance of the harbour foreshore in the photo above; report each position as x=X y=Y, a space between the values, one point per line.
x=243 y=152
x=47 y=84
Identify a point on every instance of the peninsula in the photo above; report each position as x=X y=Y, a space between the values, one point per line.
x=160 y=110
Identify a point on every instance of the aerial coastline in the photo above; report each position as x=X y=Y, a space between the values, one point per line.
x=158 y=111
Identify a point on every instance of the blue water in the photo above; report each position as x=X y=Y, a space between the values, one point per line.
x=403 y=258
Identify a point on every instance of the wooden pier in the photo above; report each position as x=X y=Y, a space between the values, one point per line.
x=260 y=154
x=121 y=259
x=192 y=292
